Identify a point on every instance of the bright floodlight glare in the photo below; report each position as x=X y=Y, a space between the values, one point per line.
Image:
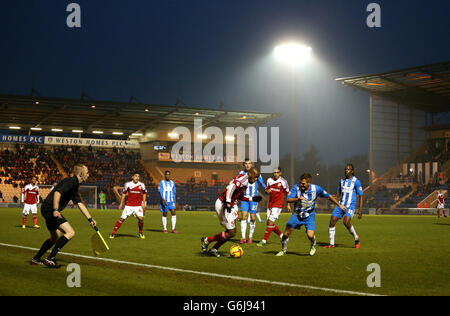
x=292 y=53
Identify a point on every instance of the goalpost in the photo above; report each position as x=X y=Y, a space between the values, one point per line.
x=87 y=192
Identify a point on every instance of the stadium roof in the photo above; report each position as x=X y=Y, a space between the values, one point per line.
x=425 y=87
x=109 y=116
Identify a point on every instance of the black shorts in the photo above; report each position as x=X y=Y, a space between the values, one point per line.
x=52 y=222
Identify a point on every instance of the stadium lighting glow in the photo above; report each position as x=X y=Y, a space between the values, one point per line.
x=36 y=128
x=77 y=131
x=196 y=113
x=292 y=53
x=202 y=136
x=93 y=106
x=146 y=110
x=97 y=132
x=117 y=133
x=173 y=135
x=37 y=102
x=14 y=127
x=56 y=130
x=136 y=134
x=229 y=137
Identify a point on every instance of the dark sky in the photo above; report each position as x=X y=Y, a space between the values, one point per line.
x=210 y=51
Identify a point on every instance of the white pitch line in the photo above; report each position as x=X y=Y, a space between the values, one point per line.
x=232 y=277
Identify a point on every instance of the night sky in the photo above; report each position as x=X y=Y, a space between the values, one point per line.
x=207 y=52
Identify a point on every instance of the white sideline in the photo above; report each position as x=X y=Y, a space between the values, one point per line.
x=204 y=273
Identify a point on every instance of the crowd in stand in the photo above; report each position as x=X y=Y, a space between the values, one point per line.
x=18 y=166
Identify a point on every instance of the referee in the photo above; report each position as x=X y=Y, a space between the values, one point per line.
x=60 y=229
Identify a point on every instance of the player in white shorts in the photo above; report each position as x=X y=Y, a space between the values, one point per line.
x=440 y=204
x=227 y=211
x=135 y=205
x=30 y=200
x=278 y=188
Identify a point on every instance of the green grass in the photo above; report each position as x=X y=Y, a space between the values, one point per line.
x=411 y=251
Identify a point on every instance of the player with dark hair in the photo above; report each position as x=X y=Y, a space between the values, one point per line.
x=440 y=203
x=278 y=188
x=30 y=200
x=60 y=229
x=304 y=195
x=167 y=191
x=349 y=189
x=227 y=211
x=135 y=205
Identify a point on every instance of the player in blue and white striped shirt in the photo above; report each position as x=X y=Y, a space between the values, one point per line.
x=250 y=207
x=167 y=191
x=349 y=190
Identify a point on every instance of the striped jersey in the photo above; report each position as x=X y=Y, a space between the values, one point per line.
x=30 y=194
x=348 y=189
x=252 y=189
x=307 y=206
x=167 y=191
x=235 y=190
x=135 y=193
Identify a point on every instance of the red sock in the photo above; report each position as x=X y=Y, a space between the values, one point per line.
x=222 y=239
x=141 y=226
x=268 y=232
x=116 y=227
x=35 y=220
x=24 y=220
x=443 y=212
x=277 y=230
x=217 y=237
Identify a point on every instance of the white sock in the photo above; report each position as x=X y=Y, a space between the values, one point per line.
x=353 y=232
x=174 y=221
x=164 y=221
x=252 y=229
x=332 y=233
x=243 y=228
x=284 y=244
x=259 y=217
x=313 y=243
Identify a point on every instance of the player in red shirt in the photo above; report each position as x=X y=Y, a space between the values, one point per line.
x=440 y=203
x=278 y=188
x=227 y=211
x=29 y=200
x=135 y=205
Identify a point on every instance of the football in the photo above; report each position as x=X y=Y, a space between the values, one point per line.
x=236 y=251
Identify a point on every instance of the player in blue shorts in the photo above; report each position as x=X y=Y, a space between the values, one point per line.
x=349 y=189
x=167 y=191
x=304 y=195
x=249 y=207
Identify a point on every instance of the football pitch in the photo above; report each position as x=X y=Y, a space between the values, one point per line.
x=411 y=251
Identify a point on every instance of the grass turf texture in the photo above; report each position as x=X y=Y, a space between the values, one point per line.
x=411 y=251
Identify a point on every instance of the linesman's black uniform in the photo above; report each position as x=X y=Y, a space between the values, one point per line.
x=68 y=188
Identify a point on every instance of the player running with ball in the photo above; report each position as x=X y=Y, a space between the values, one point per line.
x=304 y=195
x=227 y=211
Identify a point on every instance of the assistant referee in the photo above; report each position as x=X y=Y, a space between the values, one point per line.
x=60 y=229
